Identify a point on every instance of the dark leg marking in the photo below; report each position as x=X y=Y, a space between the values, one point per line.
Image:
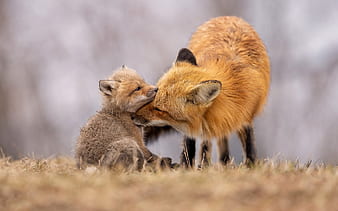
x=246 y=135
x=188 y=153
x=205 y=154
x=223 y=150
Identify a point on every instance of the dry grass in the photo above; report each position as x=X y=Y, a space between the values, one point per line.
x=55 y=184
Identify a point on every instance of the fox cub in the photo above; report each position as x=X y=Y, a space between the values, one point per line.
x=110 y=137
x=216 y=86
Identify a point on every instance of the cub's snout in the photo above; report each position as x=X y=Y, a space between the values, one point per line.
x=152 y=92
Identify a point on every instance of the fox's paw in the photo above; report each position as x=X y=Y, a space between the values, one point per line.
x=166 y=163
x=156 y=162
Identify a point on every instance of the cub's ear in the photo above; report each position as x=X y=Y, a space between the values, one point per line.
x=107 y=86
x=205 y=92
x=185 y=55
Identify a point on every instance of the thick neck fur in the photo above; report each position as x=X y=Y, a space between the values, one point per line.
x=111 y=110
x=218 y=118
x=238 y=96
x=110 y=107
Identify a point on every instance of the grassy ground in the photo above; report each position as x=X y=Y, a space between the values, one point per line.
x=56 y=184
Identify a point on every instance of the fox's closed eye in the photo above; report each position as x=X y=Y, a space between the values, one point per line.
x=157 y=109
x=137 y=89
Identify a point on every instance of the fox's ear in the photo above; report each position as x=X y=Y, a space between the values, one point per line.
x=185 y=55
x=107 y=86
x=205 y=92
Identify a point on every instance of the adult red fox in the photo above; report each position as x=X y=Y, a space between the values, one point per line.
x=218 y=86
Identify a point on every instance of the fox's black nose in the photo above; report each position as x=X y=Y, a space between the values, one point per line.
x=156 y=89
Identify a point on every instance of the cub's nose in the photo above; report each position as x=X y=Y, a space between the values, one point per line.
x=152 y=92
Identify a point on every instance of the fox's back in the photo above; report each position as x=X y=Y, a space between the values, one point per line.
x=228 y=38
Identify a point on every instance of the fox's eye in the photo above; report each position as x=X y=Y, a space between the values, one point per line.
x=157 y=109
x=137 y=89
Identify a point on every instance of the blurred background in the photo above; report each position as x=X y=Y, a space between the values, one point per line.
x=53 y=53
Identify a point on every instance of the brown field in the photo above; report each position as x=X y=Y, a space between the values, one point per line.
x=55 y=184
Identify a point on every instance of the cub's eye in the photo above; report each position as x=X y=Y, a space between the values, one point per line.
x=137 y=89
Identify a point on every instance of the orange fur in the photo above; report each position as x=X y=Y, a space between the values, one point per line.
x=227 y=49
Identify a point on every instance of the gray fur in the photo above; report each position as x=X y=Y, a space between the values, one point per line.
x=107 y=140
x=110 y=137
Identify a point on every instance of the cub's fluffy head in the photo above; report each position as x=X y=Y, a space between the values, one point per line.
x=185 y=93
x=125 y=90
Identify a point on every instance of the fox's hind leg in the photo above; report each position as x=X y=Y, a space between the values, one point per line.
x=223 y=150
x=188 y=153
x=246 y=136
x=205 y=154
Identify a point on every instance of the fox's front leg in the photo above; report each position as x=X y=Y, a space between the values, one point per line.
x=223 y=150
x=246 y=135
x=205 y=154
x=188 y=153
